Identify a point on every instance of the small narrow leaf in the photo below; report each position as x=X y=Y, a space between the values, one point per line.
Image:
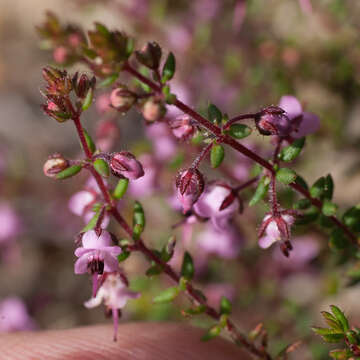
x=338 y=241
x=88 y=99
x=217 y=155
x=187 y=268
x=290 y=152
x=169 y=68
x=318 y=189
x=225 y=305
x=108 y=80
x=89 y=141
x=69 y=172
x=166 y=296
x=121 y=188
x=213 y=332
x=102 y=167
x=286 y=176
x=260 y=191
x=92 y=223
x=214 y=114
x=329 y=187
x=123 y=255
x=340 y=316
x=138 y=220
x=329 y=208
x=239 y=131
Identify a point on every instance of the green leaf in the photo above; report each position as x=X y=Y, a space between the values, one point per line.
x=88 y=99
x=154 y=270
x=318 y=189
x=89 y=141
x=286 y=176
x=167 y=296
x=331 y=320
x=169 y=68
x=217 y=155
x=194 y=311
x=225 y=305
x=239 y=131
x=121 y=188
x=260 y=191
x=329 y=335
x=187 y=268
x=289 y=153
x=340 y=316
x=213 y=332
x=102 y=167
x=108 y=80
x=302 y=204
x=102 y=29
x=300 y=181
x=123 y=255
x=340 y=354
x=92 y=223
x=138 y=220
x=338 y=241
x=329 y=208
x=308 y=216
x=168 y=249
x=328 y=187
x=69 y=172
x=214 y=114
x=351 y=218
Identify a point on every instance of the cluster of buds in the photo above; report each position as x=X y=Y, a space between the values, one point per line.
x=277 y=227
x=64 y=40
x=122 y=99
x=183 y=126
x=149 y=55
x=123 y=164
x=55 y=164
x=190 y=185
x=58 y=87
x=112 y=47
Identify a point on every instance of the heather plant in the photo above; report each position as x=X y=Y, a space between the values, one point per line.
x=217 y=206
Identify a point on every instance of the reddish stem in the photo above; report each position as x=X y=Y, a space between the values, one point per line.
x=239 y=147
x=201 y=156
x=239 y=118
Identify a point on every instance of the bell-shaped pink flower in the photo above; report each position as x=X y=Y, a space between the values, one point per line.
x=182 y=127
x=217 y=203
x=304 y=123
x=97 y=254
x=10 y=224
x=124 y=164
x=190 y=185
x=14 y=315
x=225 y=243
x=277 y=228
x=114 y=293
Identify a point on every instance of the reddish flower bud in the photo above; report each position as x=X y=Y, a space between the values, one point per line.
x=57 y=108
x=273 y=121
x=153 y=109
x=54 y=165
x=60 y=54
x=149 y=55
x=124 y=164
x=58 y=82
x=182 y=127
x=190 y=185
x=122 y=99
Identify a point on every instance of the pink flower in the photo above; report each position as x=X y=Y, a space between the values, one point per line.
x=277 y=228
x=107 y=134
x=211 y=201
x=60 y=54
x=225 y=243
x=114 y=293
x=97 y=254
x=182 y=127
x=103 y=103
x=147 y=184
x=190 y=185
x=304 y=123
x=9 y=222
x=124 y=164
x=14 y=315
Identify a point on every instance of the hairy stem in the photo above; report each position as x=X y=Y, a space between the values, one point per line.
x=240 y=148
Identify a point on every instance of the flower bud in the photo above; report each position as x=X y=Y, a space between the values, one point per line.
x=182 y=127
x=57 y=108
x=58 y=82
x=124 y=164
x=149 y=55
x=190 y=185
x=60 y=54
x=54 y=165
x=273 y=121
x=153 y=109
x=122 y=99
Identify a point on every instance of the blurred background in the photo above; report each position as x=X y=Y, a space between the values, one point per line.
x=240 y=55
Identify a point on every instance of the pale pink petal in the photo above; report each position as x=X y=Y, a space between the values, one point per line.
x=80 y=266
x=309 y=124
x=266 y=241
x=110 y=263
x=291 y=105
x=79 y=201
